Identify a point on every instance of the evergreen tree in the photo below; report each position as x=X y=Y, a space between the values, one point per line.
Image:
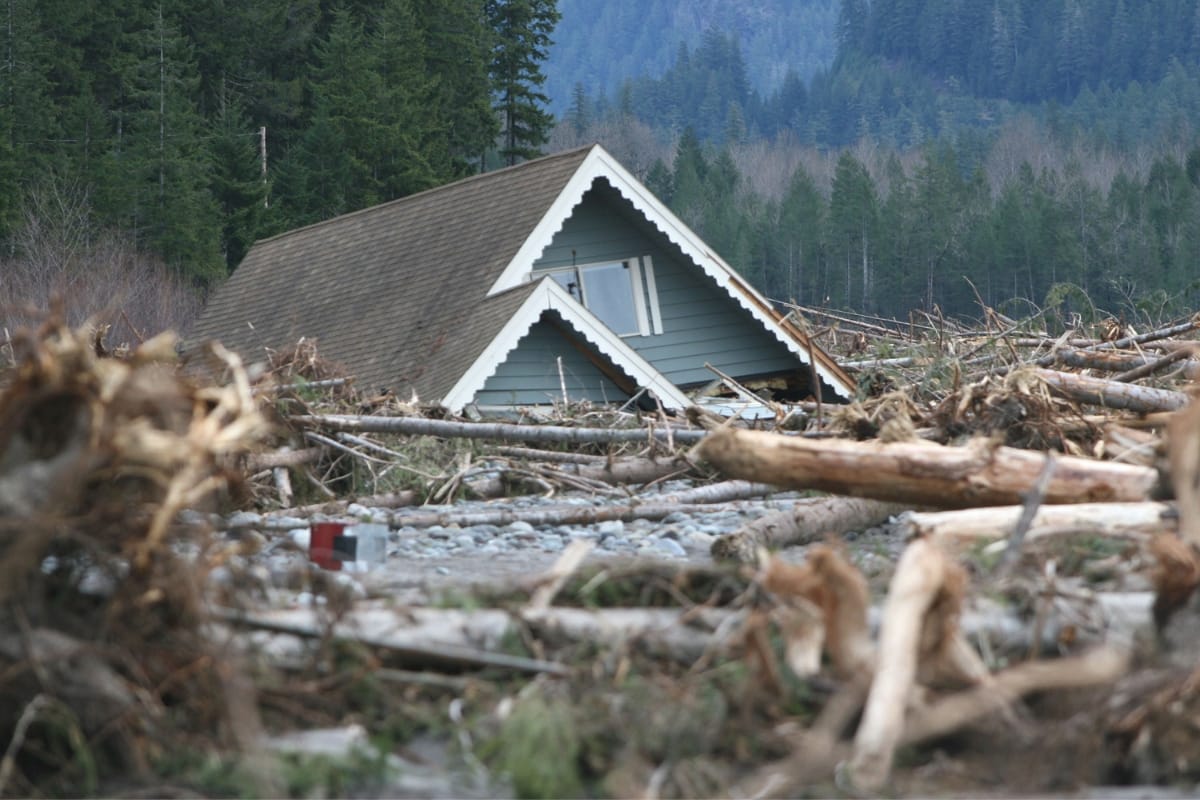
x=26 y=114
x=522 y=31
x=458 y=52
x=579 y=116
x=165 y=156
x=238 y=184
x=801 y=221
x=853 y=212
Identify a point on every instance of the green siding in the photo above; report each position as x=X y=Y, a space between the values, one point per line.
x=701 y=322
x=529 y=376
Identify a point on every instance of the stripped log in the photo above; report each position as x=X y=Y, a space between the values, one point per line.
x=284 y=457
x=499 y=431
x=1107 y=360
x=1121 y=520
x=553 y=515
x=1112 y=394
x=444 y=638
x=1149 y=368
x=921 y=473
x=809 y=521
x=623 y=472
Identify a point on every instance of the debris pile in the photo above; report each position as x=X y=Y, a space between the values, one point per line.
x=106 y=668
x=991 y=556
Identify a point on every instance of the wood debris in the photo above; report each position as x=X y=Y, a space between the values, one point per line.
x=1001 y=553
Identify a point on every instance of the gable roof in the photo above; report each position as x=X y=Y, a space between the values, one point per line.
x=420 y=293
x=396 y=292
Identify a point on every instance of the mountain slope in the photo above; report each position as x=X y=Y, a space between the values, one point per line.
x=600 y=44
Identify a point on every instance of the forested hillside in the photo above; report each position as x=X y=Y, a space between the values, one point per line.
x=1042 y=150
x=182 y=130
x=925 y=166
x=599 y=45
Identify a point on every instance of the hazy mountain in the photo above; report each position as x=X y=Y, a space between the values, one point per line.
x=600 y=43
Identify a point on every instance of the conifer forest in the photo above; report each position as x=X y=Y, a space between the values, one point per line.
x=877 y=156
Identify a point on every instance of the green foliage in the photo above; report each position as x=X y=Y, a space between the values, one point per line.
x=522 y=31
x=538 y=747
x=156 y=109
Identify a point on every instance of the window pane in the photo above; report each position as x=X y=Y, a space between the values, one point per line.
x=608 y=293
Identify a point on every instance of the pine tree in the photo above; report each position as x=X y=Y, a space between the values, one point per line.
x=801 y=221
x=522 y=30
x=166 y=158
x=853 y=211
x=27 y=120
x=458 y=50
x=238 y=185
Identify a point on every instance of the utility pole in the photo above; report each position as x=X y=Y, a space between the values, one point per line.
x=262 y=150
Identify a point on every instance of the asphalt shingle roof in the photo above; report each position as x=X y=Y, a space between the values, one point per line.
x=396 y=293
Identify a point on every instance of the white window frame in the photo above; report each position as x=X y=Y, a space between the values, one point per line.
x=644 y=294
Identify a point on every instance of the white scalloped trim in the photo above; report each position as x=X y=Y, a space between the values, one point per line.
x=599 y=164
x=550 y=296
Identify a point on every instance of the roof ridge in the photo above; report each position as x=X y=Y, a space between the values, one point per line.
x=424 y=193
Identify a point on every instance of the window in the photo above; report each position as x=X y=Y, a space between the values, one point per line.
x=621 y=293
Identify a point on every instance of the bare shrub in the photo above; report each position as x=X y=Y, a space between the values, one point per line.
x=60 y=255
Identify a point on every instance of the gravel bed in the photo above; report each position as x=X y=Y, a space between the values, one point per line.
x=420 y=559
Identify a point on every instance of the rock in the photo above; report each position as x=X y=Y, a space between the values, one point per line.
x=667 y=546
x=612 y=527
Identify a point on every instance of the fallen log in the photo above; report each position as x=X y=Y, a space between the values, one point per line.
x=285 y=457
x=809 y=521
x=1125 y=520
x=500 y=431
x=1112 y=394
x=442 y=638
x=1151 y=367
x=623 y=472
x=921 y=473
x=553 y=515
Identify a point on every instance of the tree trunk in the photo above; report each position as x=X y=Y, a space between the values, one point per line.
x=419 y=426
x=1112 y=394
x=921 y=473
x=1094 y=519
x=808 y=521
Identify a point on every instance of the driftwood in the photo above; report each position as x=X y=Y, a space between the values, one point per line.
x=444 y=638
x=921 y=473
x=1129 y=520
x=1111 y=393
x=919 y=637
x=552 y=515
x=452 y=638
x=552 y=456
x=285 y=457
x=810 y=520
x=1151 y=367
x=816 y=751
x=1107 y=360
x=1184 y=455
x=419 y=426
x=629 y=472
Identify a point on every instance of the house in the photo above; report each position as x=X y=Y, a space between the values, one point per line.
x=509 y=287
